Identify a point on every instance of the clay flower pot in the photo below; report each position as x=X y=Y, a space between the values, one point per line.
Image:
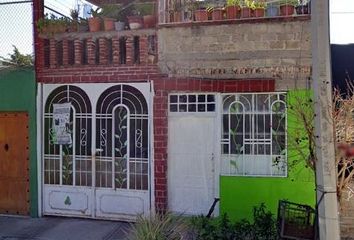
x=246 y=12
x=94 y=24
x=201 y=15
x=119 y=26
x=233 y=12
x=108 y=24
x=149 y=21
x=259 y=12
x=176 y=17
x=272 y=11
x=286 y=10
x=217 y=14
x=135 y=22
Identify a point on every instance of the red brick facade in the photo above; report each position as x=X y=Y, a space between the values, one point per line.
x=103 y=72
x=163 y=85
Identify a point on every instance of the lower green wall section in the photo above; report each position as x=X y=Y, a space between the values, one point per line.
x=238 y=195
x=18 y=93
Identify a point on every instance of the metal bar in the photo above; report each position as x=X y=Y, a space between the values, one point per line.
x=17 y=2
x=55 y=11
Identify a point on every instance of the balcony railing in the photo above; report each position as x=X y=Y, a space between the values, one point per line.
x=179 y=11
x=130 y=47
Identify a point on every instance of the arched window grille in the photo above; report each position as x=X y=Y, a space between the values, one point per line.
x=69 y=164
x=254 y=136
x=122 y=139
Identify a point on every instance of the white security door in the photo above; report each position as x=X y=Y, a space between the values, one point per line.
x=191 y=160
x=105 y=171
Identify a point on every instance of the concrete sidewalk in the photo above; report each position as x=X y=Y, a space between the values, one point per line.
x=58 y=228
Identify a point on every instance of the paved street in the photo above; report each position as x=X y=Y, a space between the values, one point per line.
x=58 y=228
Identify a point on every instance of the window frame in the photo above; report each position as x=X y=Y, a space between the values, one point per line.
x=275 y=160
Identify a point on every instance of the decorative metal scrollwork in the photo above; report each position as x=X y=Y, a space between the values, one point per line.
x=83 y=137
x=103 y=134
x=139 y=138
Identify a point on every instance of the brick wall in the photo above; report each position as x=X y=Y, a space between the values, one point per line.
x=277 y=48
x=163 y=85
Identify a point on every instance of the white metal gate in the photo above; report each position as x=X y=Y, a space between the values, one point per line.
x=105 y=172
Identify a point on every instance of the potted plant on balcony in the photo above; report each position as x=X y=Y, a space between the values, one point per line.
x=259 y=8
x=82 y=25
x=272 y=9
x=303 y=7
x=94 y=22
x=233 y=9
x=74 y=14
x=247 y=7
x=200 y=12
x=175 y=10
x=109 y=13
x=217 y=13
x=147 y=11
x=135 y=19
x=287 y=7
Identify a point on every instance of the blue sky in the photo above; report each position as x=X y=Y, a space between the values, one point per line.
x=16 y=28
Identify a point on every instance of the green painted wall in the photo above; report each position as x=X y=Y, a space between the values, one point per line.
x=238 y=195
x=18 y=93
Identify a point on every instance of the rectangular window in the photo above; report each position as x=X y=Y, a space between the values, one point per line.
x=254 y=135
x=192 y=103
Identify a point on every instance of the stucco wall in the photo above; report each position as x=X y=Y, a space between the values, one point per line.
x=18 y=93
x=277 y=48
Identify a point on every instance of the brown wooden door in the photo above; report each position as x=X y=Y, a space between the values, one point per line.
x=14 y=163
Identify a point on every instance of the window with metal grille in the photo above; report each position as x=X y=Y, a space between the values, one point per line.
x=192 y=103
x=254 y=135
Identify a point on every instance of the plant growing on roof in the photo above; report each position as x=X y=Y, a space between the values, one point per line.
x=246 y=8
x=259 y=4
x=109 y=15
x=289 y=2
x=95 y=21
x=259 y=8
x=287 y=7
x=233 y=9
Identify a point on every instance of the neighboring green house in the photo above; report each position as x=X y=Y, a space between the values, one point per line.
x=18 y=171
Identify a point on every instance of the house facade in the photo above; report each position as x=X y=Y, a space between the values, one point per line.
x=171 y=118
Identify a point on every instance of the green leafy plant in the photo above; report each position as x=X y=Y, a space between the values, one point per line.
x=145 y=8
x=289 y=2
x=158 y=227
x=260 y=4
x=111 y=11
x=96 y=12
x=247 y=4
x=263 y=227
x=18 y=59
x=230 y=3
x=67 y=165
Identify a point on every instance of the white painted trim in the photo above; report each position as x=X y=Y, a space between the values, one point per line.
x=152 y=149
x=217 y=150
x=39 y=120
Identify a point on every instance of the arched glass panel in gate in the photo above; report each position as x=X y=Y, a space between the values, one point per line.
x=68 y=164
x=122 y=158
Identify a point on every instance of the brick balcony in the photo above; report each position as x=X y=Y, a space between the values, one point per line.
x=119 y=49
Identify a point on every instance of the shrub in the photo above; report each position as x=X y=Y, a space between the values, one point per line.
x=158 y=227
x=263 y=227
